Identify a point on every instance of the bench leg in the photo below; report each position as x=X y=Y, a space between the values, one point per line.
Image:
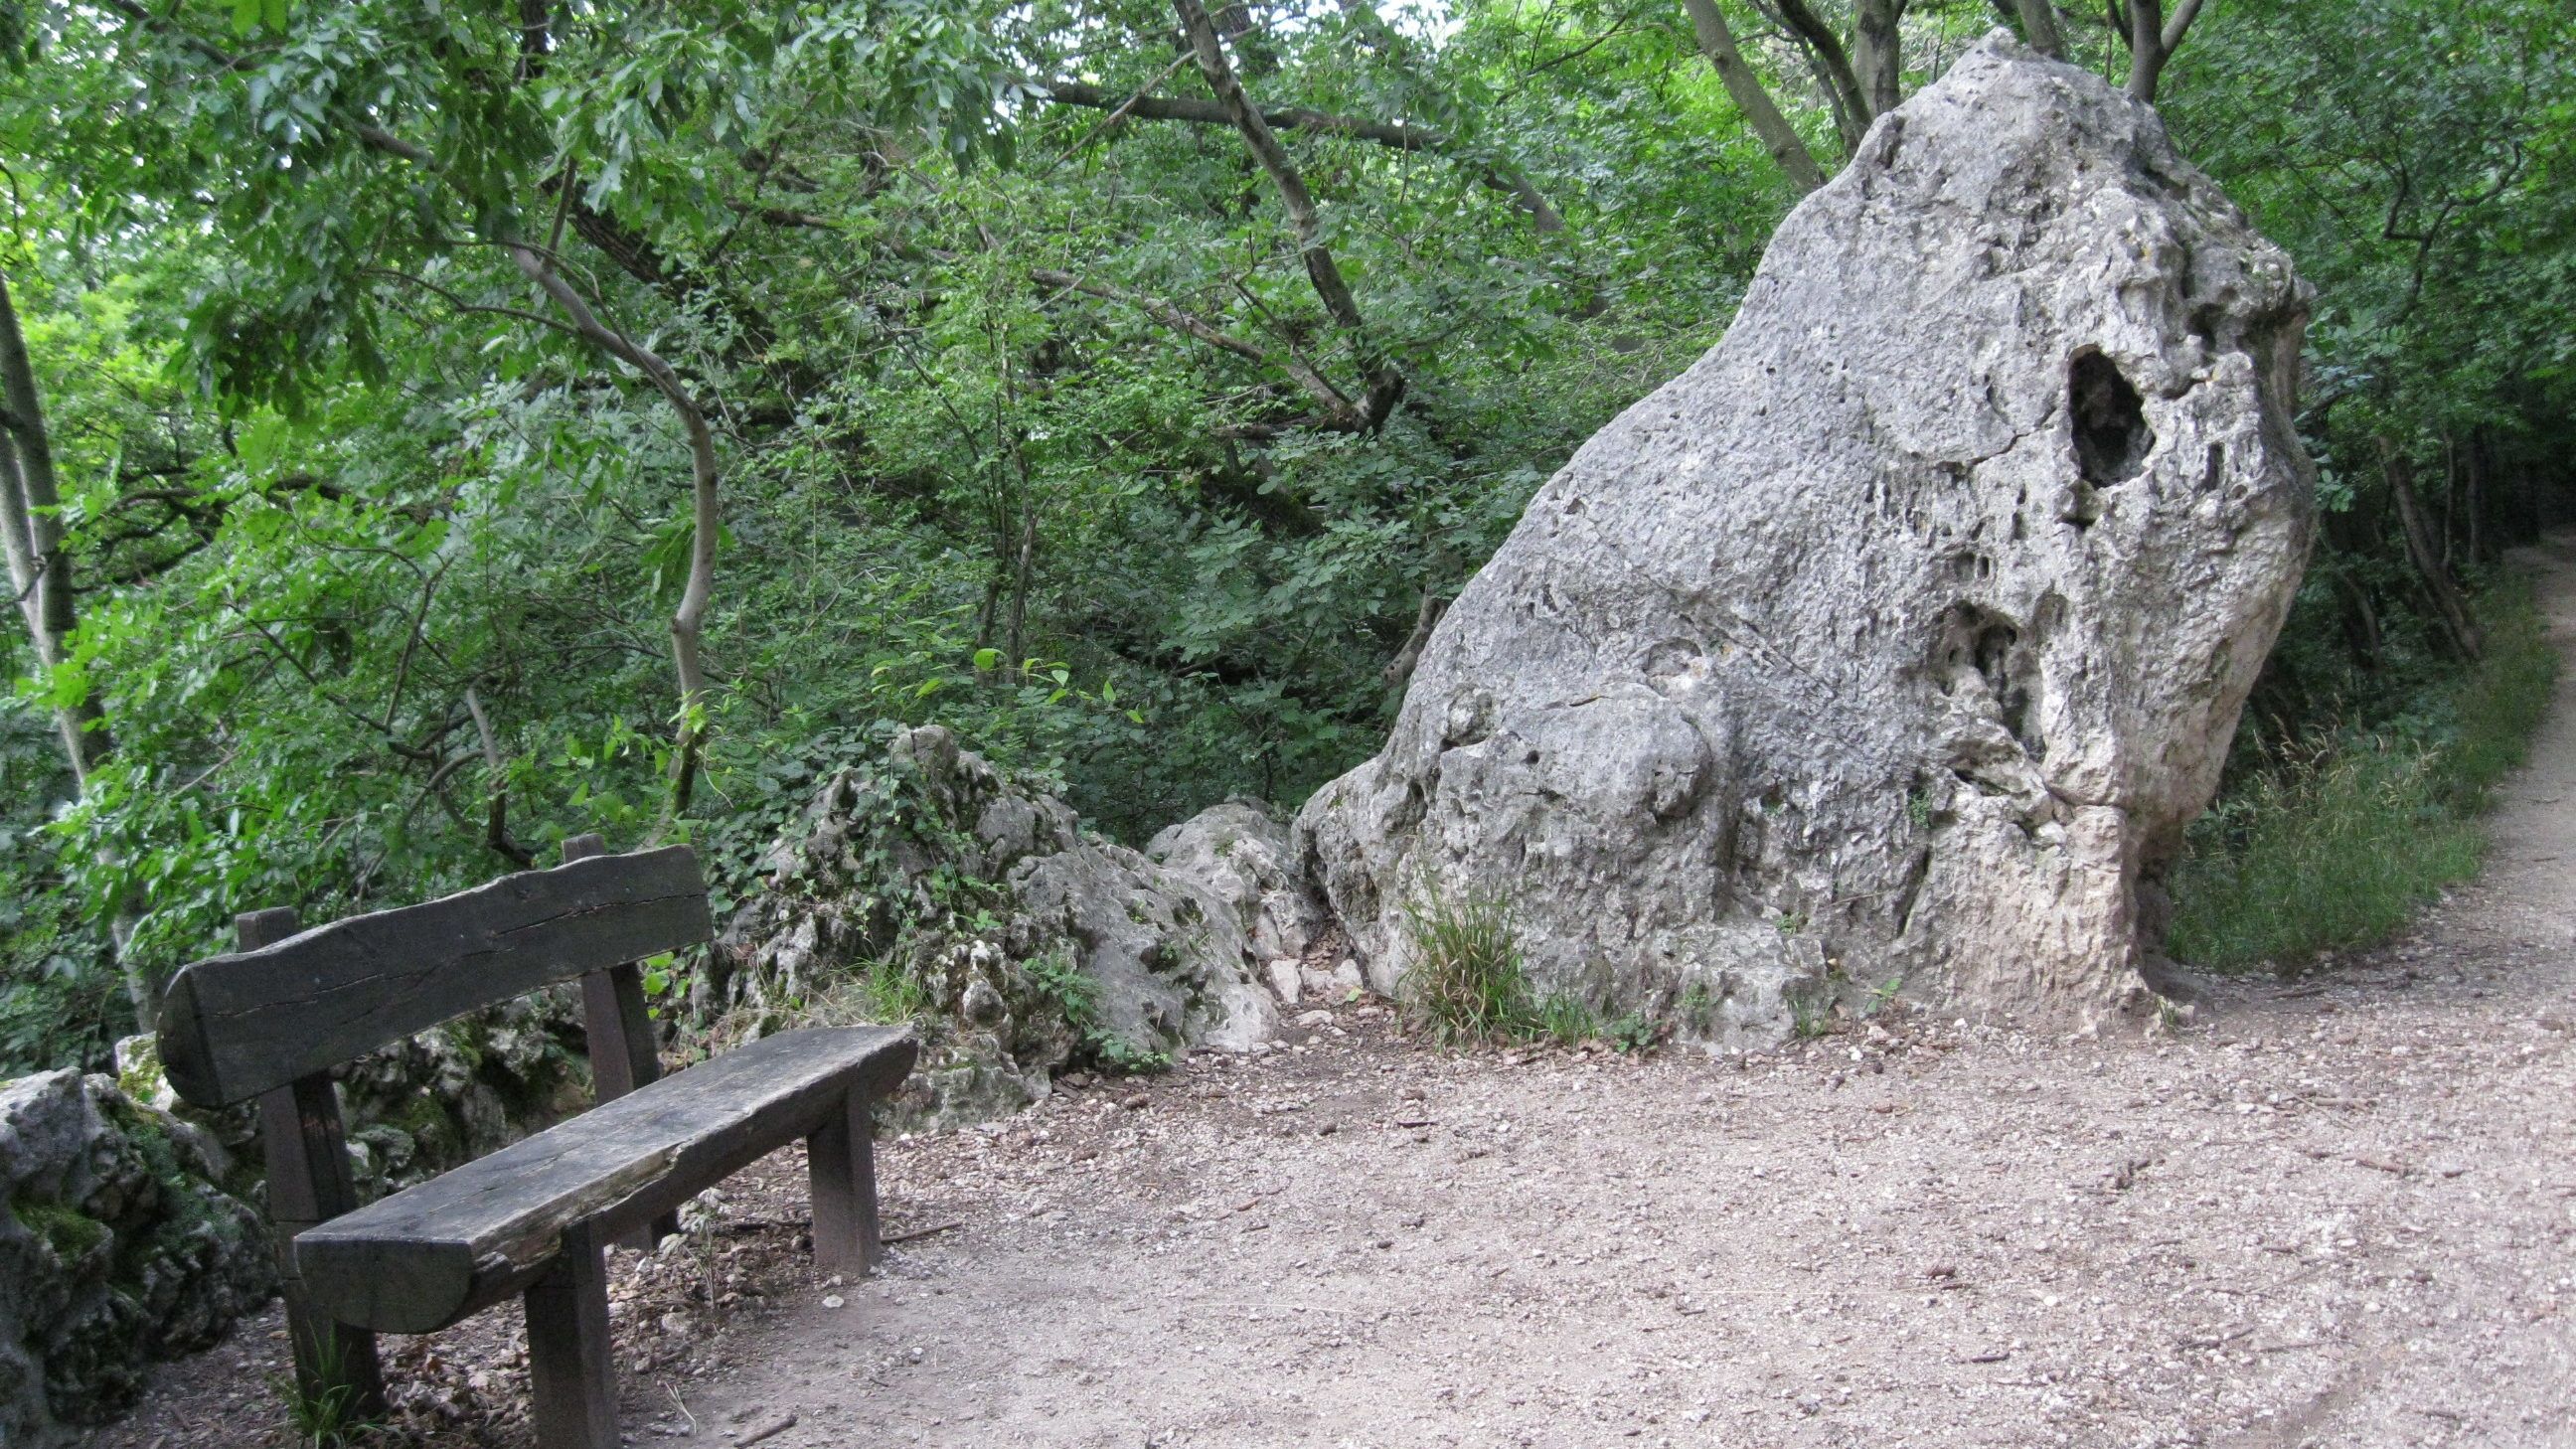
x=841 y=1161
x=570 y=1375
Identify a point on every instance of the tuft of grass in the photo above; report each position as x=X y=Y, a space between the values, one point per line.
x=2335 y=847
x=1810 y=1018
x=1469 y=982
x=326 y=1414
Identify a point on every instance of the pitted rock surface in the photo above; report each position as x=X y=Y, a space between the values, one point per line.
x=1903 y=633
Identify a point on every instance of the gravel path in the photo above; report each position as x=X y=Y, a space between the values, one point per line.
x=2340 y=1213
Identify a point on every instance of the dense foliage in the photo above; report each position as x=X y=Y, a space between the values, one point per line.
x=394 y=359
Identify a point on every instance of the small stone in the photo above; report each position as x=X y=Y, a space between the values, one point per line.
x=832 y=1300
x=1312 y=1020
x=1285 y=980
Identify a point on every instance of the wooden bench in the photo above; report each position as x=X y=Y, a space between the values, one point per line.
x=272 y=1019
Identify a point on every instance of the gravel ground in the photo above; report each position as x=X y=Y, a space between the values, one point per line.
x=2334 y=1213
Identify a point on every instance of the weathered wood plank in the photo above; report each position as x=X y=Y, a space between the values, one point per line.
x=238 y=1025
x=428 y=1256
x=307 y=1157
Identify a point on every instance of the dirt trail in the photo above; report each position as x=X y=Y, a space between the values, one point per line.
x=2340 y=1213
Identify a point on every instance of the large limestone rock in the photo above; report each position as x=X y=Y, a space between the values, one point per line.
x=116 y=1249
x=1904 y=632
x=936 y=889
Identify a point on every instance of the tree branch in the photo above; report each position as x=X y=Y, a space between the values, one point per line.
x=1336 y=405
x=1385 y=383
x=1395 y=135
x=1833 y=67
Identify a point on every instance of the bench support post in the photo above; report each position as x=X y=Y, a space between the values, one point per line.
x=309 y=1183
x=618 y=1025
x=571 y=1378
x=841 y=1163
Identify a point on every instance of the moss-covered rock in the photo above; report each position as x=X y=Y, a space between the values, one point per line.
x=934 y=888
x=117 y=1248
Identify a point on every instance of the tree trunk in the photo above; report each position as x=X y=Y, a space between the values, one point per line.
x=2477 y=503
x=1878 y=56
x=1833 y=69
x=31 y=534
x=706 y=509
x=2450 y=607
x=30 y=518
x=2039 y=27
x=1717 y=42
x=2153 y=39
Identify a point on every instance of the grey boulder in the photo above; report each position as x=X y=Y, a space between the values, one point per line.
x=1898 y=638
x=1240 y=854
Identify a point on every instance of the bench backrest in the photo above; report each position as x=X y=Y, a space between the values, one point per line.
x=237 y=1025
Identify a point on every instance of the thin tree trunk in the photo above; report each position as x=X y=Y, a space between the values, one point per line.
x=2360 y=620
x=31 y=534
x=1717 y=42
x=2478 y=496
x=688 y=621
x=2153 y=39
x=2450 y=499
x=1878 y=57
x=2039 y=27
x=1833 y=68
x=1385 y=383
x=39 y=570
x=2450 y=607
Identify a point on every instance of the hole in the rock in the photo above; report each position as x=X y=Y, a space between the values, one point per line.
x=2004 y=676
x=2111 y=433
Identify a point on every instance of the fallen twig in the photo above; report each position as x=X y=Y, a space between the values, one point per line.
x=906 y=1237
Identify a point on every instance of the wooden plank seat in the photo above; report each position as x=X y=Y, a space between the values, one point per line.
x=452 y=1246
x=271 y=1020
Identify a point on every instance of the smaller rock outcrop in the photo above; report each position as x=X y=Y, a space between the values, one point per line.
x=933 y=887
x=117 y=1249
x=1240 y=853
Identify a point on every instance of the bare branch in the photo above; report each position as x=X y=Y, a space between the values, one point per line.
x=1395 y=135
x=1385 y=383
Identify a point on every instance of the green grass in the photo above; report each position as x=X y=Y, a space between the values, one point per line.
x=2337 y=847
x=1469 y=984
